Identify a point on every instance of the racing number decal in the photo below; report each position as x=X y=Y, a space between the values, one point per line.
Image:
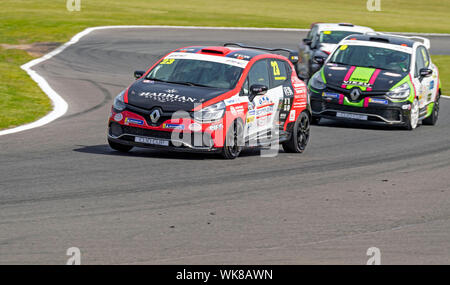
x=276 y=68
x=167 y=61
x=276 y=71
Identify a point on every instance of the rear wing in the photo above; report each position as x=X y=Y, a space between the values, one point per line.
x=292 y=54
x=426 y=42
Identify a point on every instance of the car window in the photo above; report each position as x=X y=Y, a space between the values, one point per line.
x=374 y=57
x=311 y=32
x=199 y=72
x=422 y=60
x=278 y=72
x=334 y=37
x=259 y=74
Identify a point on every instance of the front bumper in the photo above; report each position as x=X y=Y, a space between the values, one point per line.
x=370 y=109
x=129 y=128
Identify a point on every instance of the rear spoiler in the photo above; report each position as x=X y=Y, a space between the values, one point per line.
x=292 y=54
x=426 y=42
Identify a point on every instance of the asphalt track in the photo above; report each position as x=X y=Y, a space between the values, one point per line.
x=355 y=187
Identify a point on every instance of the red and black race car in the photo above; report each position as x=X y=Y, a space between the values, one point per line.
x=214 y=99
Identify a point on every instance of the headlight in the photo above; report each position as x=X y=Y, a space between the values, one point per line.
x=316 y=81
x=119 y=104
x=210 y=113
x=401 y=92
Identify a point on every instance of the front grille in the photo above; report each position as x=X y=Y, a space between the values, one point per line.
x=338 y=89
x=146 y=132
x=165 y=115
x=196 y=139
x=390 y=114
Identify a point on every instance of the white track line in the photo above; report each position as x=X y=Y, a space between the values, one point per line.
x=60 y=106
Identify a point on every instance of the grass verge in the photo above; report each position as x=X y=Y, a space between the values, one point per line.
x=443 y=63
x=30 y=21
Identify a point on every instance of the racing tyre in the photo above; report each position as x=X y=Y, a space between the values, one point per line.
x=233 y=141
x=432 y=119
x=119 y=147
x=300 y=135
x=413 y=119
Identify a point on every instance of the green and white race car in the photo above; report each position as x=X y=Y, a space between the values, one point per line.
x=377 y=78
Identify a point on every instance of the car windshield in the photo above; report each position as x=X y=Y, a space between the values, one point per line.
x=334 y=37
x=196 y=73
x=375 y=57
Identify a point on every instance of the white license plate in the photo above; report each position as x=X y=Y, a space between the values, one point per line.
x=151 y=141
x=351 y=116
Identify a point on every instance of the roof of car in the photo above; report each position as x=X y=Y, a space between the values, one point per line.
x=232 y=52
x=384 y=38
x=342 y=27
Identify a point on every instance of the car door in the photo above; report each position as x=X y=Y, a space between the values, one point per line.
x=258 y=74
x=424 y=85
x=282 y=93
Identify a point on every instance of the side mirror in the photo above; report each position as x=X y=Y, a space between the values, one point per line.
x=425 y=72
x=138 y=74
x=319 y=59
x=307 y=42
x=257 y=89
x=293 y=57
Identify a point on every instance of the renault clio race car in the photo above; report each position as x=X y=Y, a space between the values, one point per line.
x=378 y=78
x=321 y=40
x=214 y=99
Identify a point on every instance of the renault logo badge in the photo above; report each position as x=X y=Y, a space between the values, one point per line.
x=356 y=92
x=155 y=115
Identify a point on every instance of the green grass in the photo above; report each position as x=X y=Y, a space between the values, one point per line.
x=21 y=100
x=29 y=21
x=443 y=63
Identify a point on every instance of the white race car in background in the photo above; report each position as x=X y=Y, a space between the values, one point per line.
x=321 y=41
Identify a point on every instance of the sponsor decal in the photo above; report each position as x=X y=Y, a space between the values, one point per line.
x=133 y=121
x=264 y=110
x=195 y=127
x=216 y=127
x=173 y=126
x=167 y=97
x=282 y=116
x=241 y=56
x=264 y=100
x=118 y=117
x=431 y=85
x=231 y=101
x=378 y=101
x=288 y=91
x=331 y=95
x=250 y=119
x=356 y=83
x=299 y=85
x=237 y=110
x=148 y=81
x=292 y=115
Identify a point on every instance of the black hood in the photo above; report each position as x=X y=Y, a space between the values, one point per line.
x=336 y=74
x=169 y=97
